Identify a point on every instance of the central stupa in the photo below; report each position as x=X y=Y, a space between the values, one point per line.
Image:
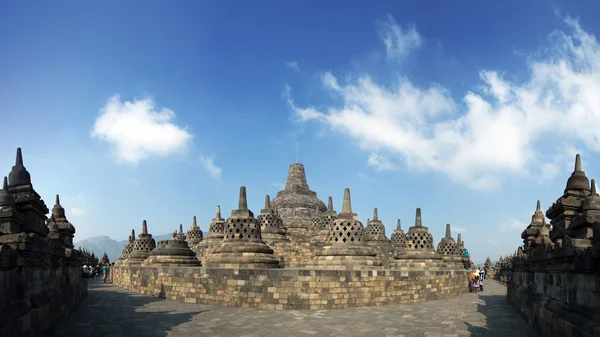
x=297 y=203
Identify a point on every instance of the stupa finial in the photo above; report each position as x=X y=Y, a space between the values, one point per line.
x=347 y=205
x=448 y=232
x=330 y=204
x=375 y=214
x=399 y=225
x=418 y=218
x=144 y=227
x=243 y=204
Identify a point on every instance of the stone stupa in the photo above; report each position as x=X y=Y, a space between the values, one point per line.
x=375 y=237
x=242 y=246
x=174 y=252
x=213 y=238
x=418 y=251
x=142 y=246
x=347 y=249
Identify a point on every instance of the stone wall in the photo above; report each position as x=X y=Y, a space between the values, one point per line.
x=557 y=290
x=38 y=291
x=291 y=288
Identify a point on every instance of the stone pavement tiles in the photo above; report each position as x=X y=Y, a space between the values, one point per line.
x=111 y=311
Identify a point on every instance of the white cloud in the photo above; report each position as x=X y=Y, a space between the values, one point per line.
x=398 y=41
x=74 y=205
x=138 y=130
x=293 y=65
x=210 y=167
x=380 y=162
x=495 y=133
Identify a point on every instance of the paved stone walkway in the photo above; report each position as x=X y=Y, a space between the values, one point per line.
x=111 y=311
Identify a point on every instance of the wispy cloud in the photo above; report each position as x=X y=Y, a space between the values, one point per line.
x=74 y=205
x=138 y=130
x=398 y=41
x=512 y=224
x=494 y=134
x=492 y=242
x=379 y=162
x=293 y=65
x=210 y=167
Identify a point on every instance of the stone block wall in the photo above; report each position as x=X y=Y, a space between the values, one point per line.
x=557 y=290
x=291 y=288
x=36 y=292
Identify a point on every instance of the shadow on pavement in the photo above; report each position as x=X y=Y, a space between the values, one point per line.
x=502 y=320
x=109 y=310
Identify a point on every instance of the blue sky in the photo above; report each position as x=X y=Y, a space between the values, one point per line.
x=160 y=111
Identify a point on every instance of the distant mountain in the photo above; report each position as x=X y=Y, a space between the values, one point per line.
x=113 y=248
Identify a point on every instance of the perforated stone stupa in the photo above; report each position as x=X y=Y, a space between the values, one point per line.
x=321 y=225
x=347 y=249
x=242 y=246
x=142 y=246
x=448 y=249
x=173 y=252
x=273 y=232
x=194 y=234
x=376 y=239
x=127 y=249
x=213 y=238
x=398 y=236
x=418 y=245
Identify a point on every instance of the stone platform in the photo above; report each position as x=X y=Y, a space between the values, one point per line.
x=291 y=288
x=112 y=311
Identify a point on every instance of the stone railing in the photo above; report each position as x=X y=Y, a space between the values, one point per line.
x=291 y=288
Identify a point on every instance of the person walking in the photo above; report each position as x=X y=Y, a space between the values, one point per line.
x=105 y=271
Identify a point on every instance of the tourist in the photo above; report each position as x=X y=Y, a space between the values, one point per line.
x=476 y=284
x=480 y=283
x=105 y=271
x=84 y=271
x=482 y=274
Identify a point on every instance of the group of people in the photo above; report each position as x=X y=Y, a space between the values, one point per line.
x=91 y=272
x=476 y=278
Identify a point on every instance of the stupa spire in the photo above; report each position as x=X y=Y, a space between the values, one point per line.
x=448 y=232
x=330 y=204
x=458 y=239
x=578 y=163
x=144 y=227
x=267 y=202
x=243 y=203
x=180 y=228
x=132 y=234
x=399 y=225
x=194 y=223
x=375 y=215
x=593 y=188
x=218 y=212
x=418 y=218
x=347 y=205
x=19 y=160
x=57 y=203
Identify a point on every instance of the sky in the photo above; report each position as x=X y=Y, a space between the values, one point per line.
x=161 y=110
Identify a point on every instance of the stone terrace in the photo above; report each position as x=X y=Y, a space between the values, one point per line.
x=111 y=311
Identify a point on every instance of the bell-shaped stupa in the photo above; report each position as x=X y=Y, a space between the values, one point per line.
x=142 y=246
x=242 y=246
x=347 y=249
